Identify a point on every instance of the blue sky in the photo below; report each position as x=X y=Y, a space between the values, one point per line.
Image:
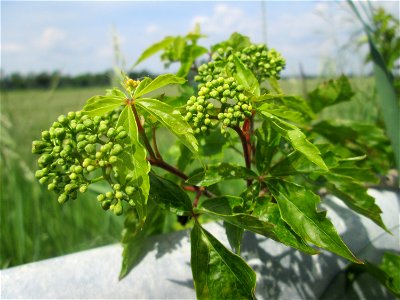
x=76 y=36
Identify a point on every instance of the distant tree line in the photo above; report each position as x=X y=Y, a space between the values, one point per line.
x=45 y=80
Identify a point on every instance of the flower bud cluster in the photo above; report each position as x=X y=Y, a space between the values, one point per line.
x=263 y=62
x=231 y=108
x=75 y=149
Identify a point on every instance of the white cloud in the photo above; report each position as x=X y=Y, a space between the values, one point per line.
x=151 y=29
x=51 y=38
x=11 y=48
x=227 y=19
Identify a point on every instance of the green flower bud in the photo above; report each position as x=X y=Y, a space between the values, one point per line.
x=79 y=128
x=111 y=132
x=109 y=195
x=70 y=187
x=60 y=133
x=106 y=204
x=129 y=190
x=43 y=179
x=101 y=197
x=226 y=93
x=118 y=208
x=46 y=135
x=86 y=162
x=44 y=160
x=214 y=94
x=119 y=195
x=71 y=115
x=51 y=186
x=90 y=148
x=87 y=123
x=90 y=168
x=122 y=135
x=62 y=198
x=83 y=188
x=113 y=159
x=227 y=121
x=38 y=147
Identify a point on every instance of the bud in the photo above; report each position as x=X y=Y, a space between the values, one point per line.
x=62 y=198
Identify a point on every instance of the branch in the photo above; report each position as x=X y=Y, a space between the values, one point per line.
x=155 y=144
x=246 y=152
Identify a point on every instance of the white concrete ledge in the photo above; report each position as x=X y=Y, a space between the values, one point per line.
x=164 y=273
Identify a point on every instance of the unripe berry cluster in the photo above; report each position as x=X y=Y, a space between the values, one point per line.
x=232 y=108
x=75 y=149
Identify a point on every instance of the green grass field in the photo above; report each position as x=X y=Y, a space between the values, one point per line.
x=33 y=225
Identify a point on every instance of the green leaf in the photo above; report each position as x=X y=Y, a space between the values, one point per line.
x=274 y=83
x=188 y=57
x=133 y=161
x=134 y=236
x=387 y=273
x=170 y=118
x=296 y=138
x=282 y=112
x=178 y=47
x=389 y=104
x=293 y=103
x=267 y=211
x=391 y=266
x=246 y=78
x=169 y=196
x=234 y=235
x=298 y=207
x=100 y=105
x=153 y=49
x=217 y=272
x=143 y=83
x=267 y=145
x=157 y=83
x=220 y=172
x=237 y=41
x=355 y=196
x=330 y=92
x=229 y=209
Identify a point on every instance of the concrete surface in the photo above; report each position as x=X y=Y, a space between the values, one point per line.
x=164 y=273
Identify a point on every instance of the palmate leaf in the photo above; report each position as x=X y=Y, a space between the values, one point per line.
x=170 y=196
x=292 y=103
x=100 y=105
x=330 y=92
x=265 y=220
x=298 y=207
x=296 y=138
x=133 y=161
x=153 y=49
x=229 y=209
x=217 y=272
x=134 y=236
x=234 y=235
x=283 y=112
x=170 y=118
x=157 y=83
x=267 y=211
x=387 y=273
x=220 y=172
x=355 y=196
x=190 y=54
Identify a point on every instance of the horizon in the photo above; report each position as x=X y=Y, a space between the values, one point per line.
x=77 y=37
